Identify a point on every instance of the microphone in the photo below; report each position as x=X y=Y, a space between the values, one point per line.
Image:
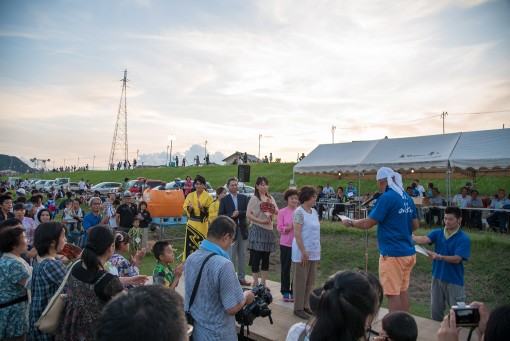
x=375 y=196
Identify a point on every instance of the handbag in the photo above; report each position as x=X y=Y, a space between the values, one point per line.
x=50 y=317
x=189 y=317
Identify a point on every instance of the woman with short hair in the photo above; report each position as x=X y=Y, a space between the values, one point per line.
x=14 y=274
x=48 y=274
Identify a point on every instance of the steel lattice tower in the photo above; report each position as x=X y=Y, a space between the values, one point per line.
x=119 y=150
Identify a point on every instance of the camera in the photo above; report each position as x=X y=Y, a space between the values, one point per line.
x=259 y=307
x=466 y=316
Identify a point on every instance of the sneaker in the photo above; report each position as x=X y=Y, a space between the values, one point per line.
x=301 y=314
x=286 y=297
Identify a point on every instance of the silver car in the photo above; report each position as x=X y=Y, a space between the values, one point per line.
x=106 y=187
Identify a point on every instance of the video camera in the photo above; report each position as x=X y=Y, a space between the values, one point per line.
x=259 y=307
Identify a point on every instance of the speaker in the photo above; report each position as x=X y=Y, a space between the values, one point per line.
x=243 y=173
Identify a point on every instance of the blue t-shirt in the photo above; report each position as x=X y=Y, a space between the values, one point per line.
x=90 y=220
x=394 y=216
x=457 y=245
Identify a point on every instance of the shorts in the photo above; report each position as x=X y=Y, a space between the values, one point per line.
x=395 y=272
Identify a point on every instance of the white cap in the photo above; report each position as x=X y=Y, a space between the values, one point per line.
x=390 y=175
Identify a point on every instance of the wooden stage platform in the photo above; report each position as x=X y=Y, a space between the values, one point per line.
x=283 y=318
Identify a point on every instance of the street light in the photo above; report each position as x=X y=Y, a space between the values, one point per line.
x=171 y=138
x=167 y=155
x=93 y=162
x=333 y=128
x=205 y=149
x=260 y=136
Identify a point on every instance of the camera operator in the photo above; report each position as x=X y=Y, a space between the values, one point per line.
x=219 y=295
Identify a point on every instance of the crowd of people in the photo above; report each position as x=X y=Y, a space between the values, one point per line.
x=217 y=234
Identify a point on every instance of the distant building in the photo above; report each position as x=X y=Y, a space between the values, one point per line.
x=232 y=159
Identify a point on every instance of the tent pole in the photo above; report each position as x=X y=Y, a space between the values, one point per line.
x=359 y=216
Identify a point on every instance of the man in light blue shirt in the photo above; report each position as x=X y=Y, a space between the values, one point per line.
x=502 y=217
x=219 y=295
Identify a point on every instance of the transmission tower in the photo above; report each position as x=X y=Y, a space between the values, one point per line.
x=120 y=137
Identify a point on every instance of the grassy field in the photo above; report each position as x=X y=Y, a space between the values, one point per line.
x=486 y=273
x=278 y=174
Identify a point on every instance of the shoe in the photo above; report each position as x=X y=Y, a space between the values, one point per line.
x=286 y=297
x=308 y=311
x=243 y=282
x=265 y=287
x=301 y=314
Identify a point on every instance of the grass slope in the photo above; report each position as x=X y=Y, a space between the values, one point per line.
x=278 y=174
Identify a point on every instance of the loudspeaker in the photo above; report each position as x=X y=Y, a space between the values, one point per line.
x=243 y=173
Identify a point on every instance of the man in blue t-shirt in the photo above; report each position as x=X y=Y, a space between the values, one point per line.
x=452 y=246
x=395 y=216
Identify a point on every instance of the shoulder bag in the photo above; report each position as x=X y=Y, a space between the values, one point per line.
x=189 y=317
x=50 y=318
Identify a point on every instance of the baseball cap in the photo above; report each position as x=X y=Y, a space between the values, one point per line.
x=20 y=191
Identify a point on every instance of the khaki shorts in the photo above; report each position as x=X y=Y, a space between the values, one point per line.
x=394 y=273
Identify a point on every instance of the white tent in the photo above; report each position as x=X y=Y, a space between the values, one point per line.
x=422 y=152
x=482 y=150
x=334 y=158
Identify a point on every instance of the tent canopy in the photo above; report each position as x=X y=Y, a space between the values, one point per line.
x=472 y=150
x=488 y=149
x=333 y=158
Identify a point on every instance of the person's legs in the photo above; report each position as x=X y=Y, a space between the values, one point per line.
x=264 y=267
x=502 y=219
x=285 y=262
x=454 y=294
x=255 y=265
x=437 y=300
x=394 y=274
x=310 y=282
x=241 y=258
x=300 y=276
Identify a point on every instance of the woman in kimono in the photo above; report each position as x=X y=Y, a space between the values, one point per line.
x=196 y=206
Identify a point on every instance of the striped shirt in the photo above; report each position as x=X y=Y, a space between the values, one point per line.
x=218 y=291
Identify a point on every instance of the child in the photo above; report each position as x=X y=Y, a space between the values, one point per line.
x=163 y=273
x=119 y=265
x=398 y=326
x=135 y=235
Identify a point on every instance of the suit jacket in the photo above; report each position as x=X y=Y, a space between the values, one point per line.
x=227 y=208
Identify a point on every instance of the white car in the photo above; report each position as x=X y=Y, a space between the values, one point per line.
x=74 y=187
x=48 y=185
x=39 y=185
x=106 y=187
x=244 y=189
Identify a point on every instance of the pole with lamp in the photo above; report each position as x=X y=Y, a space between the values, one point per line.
x=260 y=137
x=167 y=155
x=333 y=128
x=93 y=162
x=205 y=151
x=171 y=138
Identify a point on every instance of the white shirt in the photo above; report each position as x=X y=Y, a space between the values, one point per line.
x=311 y=235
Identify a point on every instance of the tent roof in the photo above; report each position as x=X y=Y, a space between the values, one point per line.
x=485 y=149
x=421 y=152
x=471 y=150
x=332 y=158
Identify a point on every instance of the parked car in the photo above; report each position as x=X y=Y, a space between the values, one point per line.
x=244 y=189
x=62 y=182
x=134 y=186
x=48 y=185
x=106 y=187
x=74 y=187
x=39 y=185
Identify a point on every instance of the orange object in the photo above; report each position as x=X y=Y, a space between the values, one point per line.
x=164 y=203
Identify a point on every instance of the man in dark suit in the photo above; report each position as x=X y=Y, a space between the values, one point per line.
x=234 y=205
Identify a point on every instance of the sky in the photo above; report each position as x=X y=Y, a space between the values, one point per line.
x=242 y=73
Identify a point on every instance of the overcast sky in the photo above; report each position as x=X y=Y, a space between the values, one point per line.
x=228 y=71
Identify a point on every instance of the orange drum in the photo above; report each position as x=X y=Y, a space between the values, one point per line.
x=164 y=203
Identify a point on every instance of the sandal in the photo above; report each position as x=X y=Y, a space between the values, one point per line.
x=308 y=311
x=265 y=287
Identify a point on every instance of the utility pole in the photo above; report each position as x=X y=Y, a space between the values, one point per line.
x=260 y=136
x=120 y=135
x=443 y=116
x=333 y=128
